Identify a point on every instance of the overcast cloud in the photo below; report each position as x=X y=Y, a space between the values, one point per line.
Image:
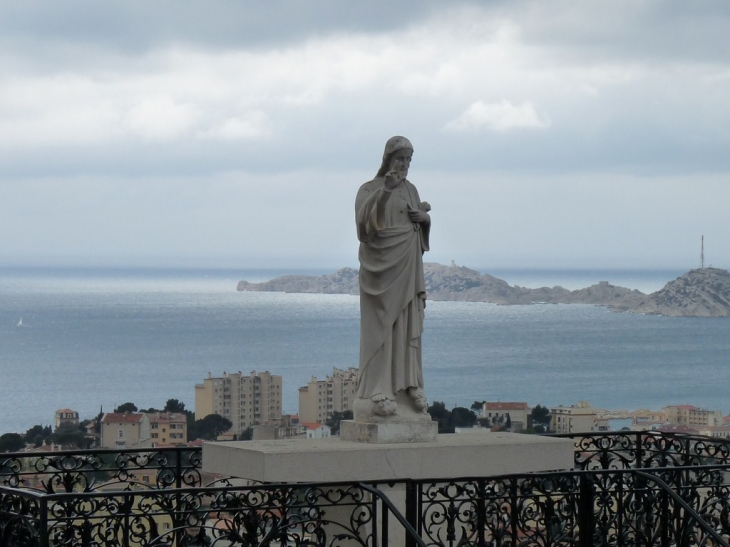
x=547 y=134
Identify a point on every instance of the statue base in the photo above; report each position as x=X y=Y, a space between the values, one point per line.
x=334 y=460
x=390 y=432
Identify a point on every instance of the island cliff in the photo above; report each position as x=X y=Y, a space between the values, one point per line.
x=698 y=293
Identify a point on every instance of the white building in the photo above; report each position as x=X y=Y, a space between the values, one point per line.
x=317 y=431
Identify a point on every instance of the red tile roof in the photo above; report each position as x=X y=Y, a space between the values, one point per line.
x=311 y=425
x=505 y=406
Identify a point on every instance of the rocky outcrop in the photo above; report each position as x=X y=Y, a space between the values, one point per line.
x=463 y=284
x=343 y=281
x=698 y=293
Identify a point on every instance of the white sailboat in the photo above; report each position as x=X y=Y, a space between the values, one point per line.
x=20 y=322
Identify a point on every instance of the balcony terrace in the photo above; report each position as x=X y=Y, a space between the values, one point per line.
x=627 y=489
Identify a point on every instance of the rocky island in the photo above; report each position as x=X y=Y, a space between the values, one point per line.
x=698 y=293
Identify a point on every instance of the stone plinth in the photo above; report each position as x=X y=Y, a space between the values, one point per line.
x=329 y=460
x=388 y=433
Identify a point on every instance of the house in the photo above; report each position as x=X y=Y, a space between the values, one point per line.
x=286 y=428
x=66 y=416
x=125 y=430
x=498 y=413
x=317 y=431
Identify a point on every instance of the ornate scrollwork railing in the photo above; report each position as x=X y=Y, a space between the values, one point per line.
x=89 y=470
x=275 y=514
x=646 y=449
x=157 y=497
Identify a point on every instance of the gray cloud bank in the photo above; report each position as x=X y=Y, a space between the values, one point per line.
x=239 y=132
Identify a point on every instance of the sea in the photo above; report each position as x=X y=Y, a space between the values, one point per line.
x=92 y=339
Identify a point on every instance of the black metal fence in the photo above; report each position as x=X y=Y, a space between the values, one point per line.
x=627 y=490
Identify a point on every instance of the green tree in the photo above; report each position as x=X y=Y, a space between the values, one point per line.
x=508 y=423
x=37 y=434
x=442 y=415
x=173 y=405
x=478 y=407
x=11 y=442
x=334 y=420
x=209 y=427
x=126 y=407
x=70 y=435
x=462 y=417
x=540 y=418
x=97 y=422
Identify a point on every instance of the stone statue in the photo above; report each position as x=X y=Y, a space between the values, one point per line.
x=393 y=228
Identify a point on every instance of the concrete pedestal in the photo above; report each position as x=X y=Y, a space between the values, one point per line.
x=328 y=460
x=335 y=460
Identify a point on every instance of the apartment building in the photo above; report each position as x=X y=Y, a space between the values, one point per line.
x=125 y=430
x=580 y=418
x=168 y=428
x=320 y=398
x=692 y=416
x=244 y=400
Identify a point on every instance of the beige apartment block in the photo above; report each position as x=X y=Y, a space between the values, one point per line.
x=498 y=412
x=580 y=418
x=168 y=428
x=320 y=398
x=692 y=416
x=128 y=430
x=244 y=400
x=66 y=416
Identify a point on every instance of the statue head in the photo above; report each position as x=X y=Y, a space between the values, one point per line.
x=393 y=145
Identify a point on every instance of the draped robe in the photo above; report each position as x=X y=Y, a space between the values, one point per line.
x=392 y=290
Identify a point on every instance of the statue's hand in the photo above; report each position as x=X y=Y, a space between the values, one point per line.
x=392 y=179
x=418 y=216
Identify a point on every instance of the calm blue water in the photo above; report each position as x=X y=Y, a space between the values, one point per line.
x=96 y=338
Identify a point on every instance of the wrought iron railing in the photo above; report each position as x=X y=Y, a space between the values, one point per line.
x=160 y=497
x=90 y=470
x=643 y=449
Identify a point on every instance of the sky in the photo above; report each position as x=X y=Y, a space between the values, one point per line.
x=547 y=134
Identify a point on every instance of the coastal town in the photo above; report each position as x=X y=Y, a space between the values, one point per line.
x=236 y=406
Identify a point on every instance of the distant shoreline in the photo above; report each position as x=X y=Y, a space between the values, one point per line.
x=697 y=293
